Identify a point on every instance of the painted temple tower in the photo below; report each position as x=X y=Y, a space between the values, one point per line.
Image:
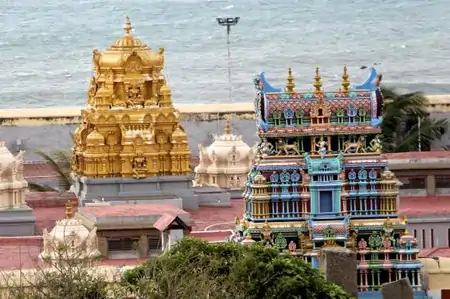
x=320 y=180
x=130 y=140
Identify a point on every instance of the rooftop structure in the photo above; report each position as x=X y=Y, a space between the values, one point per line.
x=319 y=180
x=16 y=218
x=130 y=144
x=225 y=163
x=69 y=240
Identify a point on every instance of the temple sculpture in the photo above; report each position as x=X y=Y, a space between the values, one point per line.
x=225 y=163
x=69 y=240
x=320 y=180
x=16 y=217
x=130 y=143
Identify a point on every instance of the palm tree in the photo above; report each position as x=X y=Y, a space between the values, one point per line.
x=60 y=161
x=404 y=117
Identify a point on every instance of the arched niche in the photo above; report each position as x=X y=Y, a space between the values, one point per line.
x=147 y=118
x=133 y=64
x=101 y=119
x=112 y=119
x=125 y=119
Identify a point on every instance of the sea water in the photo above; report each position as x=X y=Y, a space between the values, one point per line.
x=46 y=46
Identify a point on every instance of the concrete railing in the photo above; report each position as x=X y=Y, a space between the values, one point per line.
x=189 y=112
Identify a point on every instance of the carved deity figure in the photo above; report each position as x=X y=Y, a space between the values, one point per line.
x=292 y=247
x=305 y=177
x=266 y=234
x=375 y=145
x=321 y=146
x=265 y=148
x=139 y=163
x=362 y=244
x=96 y=60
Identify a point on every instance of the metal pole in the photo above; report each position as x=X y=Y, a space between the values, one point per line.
x=228 y=22
x=419 y=138
x=230 y=84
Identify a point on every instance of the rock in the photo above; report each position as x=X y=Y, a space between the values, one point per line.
x=400 y=289
x=340 y=266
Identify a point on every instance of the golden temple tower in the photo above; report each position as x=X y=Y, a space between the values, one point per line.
x=129 y=126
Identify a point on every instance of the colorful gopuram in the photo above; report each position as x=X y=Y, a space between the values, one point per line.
x=130 y=142
x=320 y=180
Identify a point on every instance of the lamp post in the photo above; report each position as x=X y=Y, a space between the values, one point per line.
x=228 y=22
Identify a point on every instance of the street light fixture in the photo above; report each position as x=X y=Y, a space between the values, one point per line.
x=228 y=22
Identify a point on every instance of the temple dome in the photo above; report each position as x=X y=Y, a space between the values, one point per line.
x=118 y=53
x=226 y=144
x=6 y=158
x=70 y=239
x=225 y=163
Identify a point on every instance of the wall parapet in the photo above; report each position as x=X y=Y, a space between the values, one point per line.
x=188 y=112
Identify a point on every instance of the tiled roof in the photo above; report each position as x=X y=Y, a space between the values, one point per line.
x=419 y=155
x=131 y=210
x=435 y=252
x=23 y=253
x=415 y=207
x=212 y=236
x=218 y=218
x=39 y=170
x=164 y=221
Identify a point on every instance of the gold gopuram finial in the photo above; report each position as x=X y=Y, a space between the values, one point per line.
x=127 y=27
x=69 y=212
x=345 y=82
x=228 y=126
x=290 y=85
x=317 y=81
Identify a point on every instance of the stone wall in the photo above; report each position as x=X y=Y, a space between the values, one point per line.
x=48 y=129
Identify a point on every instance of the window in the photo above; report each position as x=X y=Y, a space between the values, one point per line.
x=362 y=113
x=412 y=182
x=432 y=237
x=448 y=237
x=340 y=114
x=442 y=181
x=122 y=244
x=415 y=233
x=424 y=243
x=154 y=242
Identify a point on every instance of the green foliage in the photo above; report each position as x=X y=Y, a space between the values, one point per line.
x=61 y=161
x=400 y=125
x=196 y=269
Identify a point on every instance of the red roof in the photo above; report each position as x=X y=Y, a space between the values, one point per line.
x=419 y=155
x=424 y=206
x=435 y=252
x=131 y=210
x=218 y=218
x=23 y=253
x=212 y=236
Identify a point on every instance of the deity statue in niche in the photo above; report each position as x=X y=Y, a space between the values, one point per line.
x=134 y=94
x=139 y=163
x=321 y=146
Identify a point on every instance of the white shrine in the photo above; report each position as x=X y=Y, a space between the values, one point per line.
x=70 y=240
x=16 y=218
x=225 y=163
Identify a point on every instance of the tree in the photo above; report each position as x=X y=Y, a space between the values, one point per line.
x=68 y=272
x=60 y=161
x=196 y=269
x=400 y=125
